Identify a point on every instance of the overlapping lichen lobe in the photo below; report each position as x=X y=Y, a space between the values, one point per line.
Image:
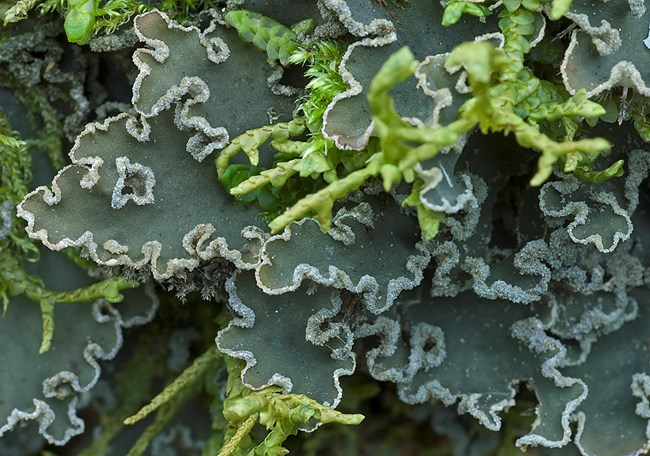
x=151 y=24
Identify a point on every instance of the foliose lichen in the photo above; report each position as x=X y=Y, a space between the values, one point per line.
x=430 y=206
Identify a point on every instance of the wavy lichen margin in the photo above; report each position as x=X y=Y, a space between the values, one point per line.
x=67 y=384
x=376 y=298
x=246 y=319
x=197 y=242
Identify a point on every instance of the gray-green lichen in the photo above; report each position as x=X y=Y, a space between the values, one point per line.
x=262 y=317
x=458 y=281
x=372 y=249
x=96 y=188
x=348 y=119
x=608 y=49
x=43 y=386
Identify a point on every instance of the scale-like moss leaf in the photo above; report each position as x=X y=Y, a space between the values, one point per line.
x=286 y=12
x=348 y=119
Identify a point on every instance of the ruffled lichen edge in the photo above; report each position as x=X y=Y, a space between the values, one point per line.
x=102 y=312
x=193 y=241
x=338 y=278
x=246 y=319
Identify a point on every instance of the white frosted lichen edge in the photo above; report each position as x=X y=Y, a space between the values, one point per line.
x=378 y=26
x=197 y=90
x=441 y=97
x=102 y=312
x=194 y=242
x=530 y=332
x=361 y=213
x=641 y=389
x=592 y=324
x=623 y=74
x=433 y=176
x=124 y=169
x=217 y=51
x=640 y=386
x=246 y=319
x=529 y=261
x=638 y=165
x=580 y=211
x=606 y=38
x=320 y=330
x=354 y=88
x=389 y=332
x=467 y=403
x=338 y=278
